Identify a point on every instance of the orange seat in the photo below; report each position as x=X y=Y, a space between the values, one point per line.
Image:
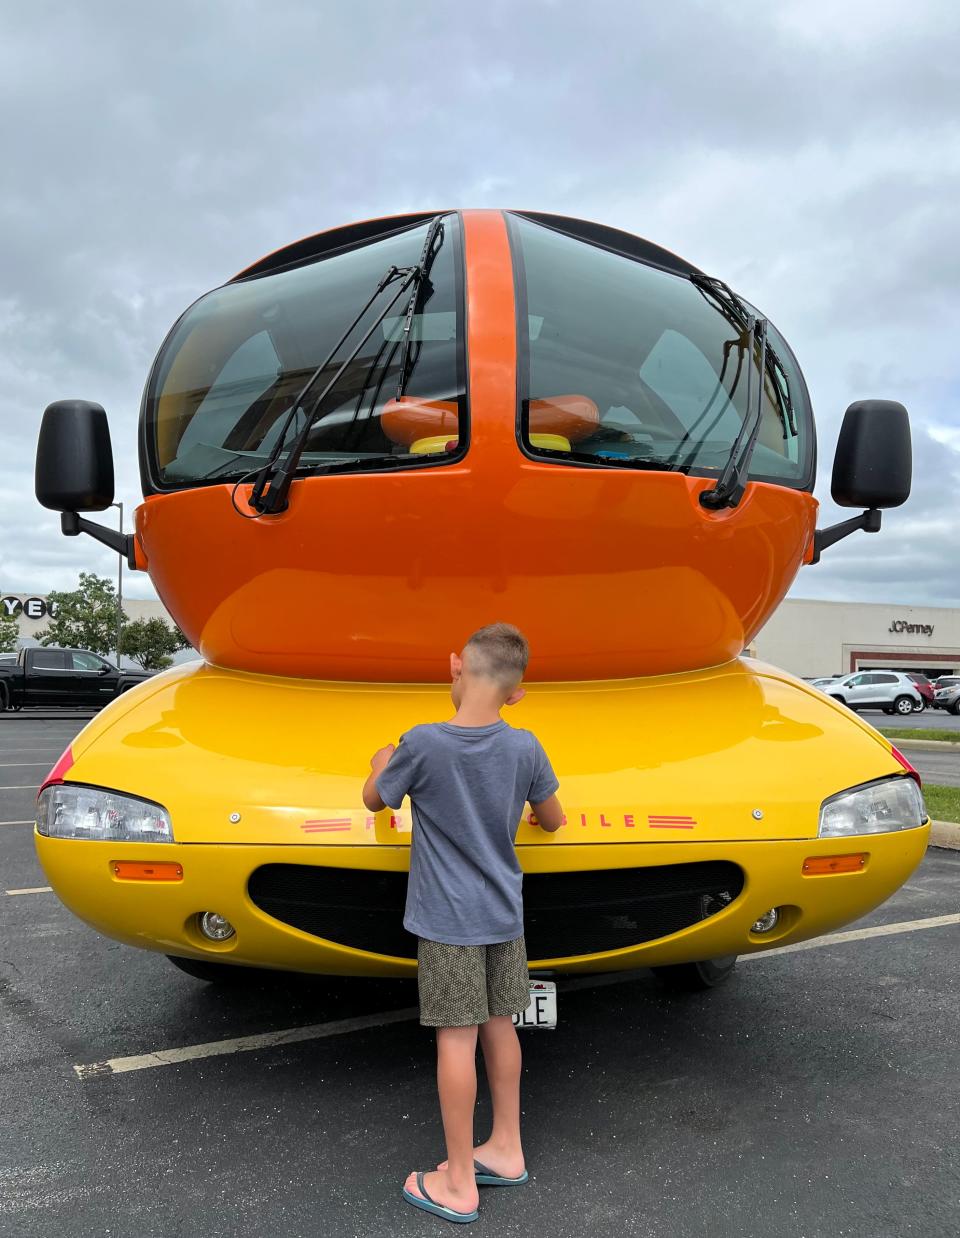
x=409 y=419
x=574 y=417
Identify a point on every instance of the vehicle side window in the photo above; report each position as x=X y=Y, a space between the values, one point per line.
x=49 y=660
x=886 y=679
x=855 y=681
x=86 y=661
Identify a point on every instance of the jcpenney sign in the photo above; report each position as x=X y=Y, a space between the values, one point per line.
x=30 y=608
x=921 y=629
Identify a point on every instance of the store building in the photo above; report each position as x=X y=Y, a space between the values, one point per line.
x=33 y=612
x=813 y=639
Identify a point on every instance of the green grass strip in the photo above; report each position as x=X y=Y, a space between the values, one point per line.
x=943 y=803
x=898 y=732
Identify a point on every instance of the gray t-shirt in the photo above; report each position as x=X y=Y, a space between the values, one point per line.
x=467 y=787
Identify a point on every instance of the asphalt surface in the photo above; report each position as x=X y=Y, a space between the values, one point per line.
x=815 y=1095
x=941 y=768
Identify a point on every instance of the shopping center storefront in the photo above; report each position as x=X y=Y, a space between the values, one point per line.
x=833 y=638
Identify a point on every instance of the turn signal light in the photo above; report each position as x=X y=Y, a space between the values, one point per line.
x=815 y=865
x=131 y=870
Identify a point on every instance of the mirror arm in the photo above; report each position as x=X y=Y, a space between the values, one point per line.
x=72 y=524
x=869 y=521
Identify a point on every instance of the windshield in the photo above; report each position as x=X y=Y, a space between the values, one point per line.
x=628 y=365
x=229 y=371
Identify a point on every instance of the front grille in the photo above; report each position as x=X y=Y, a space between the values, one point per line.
x=565 y=914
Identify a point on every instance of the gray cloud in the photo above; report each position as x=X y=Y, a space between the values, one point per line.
x=807 y=152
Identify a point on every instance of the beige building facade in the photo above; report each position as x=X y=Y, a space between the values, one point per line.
x=813 y=639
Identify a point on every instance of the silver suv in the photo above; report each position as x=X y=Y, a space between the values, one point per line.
x=887 y=690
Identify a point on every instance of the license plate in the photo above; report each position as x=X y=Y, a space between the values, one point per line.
x=542 y=1011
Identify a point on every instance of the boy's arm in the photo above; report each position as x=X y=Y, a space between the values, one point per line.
x=549 y=814
x=378 y=763
x=542 y=796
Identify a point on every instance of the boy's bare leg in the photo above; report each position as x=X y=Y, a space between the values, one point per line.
x=454 y=1184
x=502 y=1152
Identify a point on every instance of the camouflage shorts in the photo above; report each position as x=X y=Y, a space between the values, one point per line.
x=461 y=986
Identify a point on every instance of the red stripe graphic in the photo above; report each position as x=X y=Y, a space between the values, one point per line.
x=665 y=821
x=319 y=825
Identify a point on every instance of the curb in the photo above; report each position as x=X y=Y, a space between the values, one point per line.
x=945 y=834
x=931 y=745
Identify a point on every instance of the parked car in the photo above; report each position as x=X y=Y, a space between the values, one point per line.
x=948 y=698
x=63 y=678
x=945 y=681
x=887 y=690
x=925 y=688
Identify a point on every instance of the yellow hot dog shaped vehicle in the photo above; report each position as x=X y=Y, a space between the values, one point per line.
x=374 y=441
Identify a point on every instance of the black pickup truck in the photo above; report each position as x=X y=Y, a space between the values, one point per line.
x=74 y=678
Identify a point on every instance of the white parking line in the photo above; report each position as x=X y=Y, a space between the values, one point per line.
x=32 y=821
x=19 y=752
x=32 y=890
x=880 y=930
x=338 y=1027
x=20 y=764
x=32 y=786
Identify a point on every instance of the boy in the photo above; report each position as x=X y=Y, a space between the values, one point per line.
x=467 y=780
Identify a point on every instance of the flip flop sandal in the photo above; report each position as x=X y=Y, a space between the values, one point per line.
x=486 y=1177
x=430 y=1205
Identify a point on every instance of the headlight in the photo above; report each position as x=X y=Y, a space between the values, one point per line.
x=65 y=810
x=876 y=808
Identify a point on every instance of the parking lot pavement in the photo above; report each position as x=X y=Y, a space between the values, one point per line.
x=930 y=719
x=940 y=768
x=816 y=1095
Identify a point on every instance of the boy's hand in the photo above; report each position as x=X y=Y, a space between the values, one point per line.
x=380 y=758
x=371 y=797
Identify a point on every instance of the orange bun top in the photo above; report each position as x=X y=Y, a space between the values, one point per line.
x=608 y=563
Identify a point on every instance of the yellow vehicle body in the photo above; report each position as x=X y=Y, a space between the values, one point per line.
x=724 y=764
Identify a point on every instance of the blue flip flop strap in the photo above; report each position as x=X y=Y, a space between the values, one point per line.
x=423 y=1191
x=482 y=1169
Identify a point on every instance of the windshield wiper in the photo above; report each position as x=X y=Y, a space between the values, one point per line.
x=731 y=483
x=279 y=476
x=739 y=315
x=431 y=247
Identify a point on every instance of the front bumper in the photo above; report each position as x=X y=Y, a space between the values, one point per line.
x=163 y=916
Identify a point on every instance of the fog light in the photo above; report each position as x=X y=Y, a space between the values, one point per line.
x=766 y=922
x=215 y=926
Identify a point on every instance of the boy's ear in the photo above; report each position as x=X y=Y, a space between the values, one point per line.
x=456 y=666
x=516 y=695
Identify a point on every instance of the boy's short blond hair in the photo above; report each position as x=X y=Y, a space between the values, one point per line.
x=499 y=651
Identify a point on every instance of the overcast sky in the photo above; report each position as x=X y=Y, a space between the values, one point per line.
x=808 y=153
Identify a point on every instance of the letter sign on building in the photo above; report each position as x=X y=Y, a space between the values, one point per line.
x=921 y=629
x=31 y=608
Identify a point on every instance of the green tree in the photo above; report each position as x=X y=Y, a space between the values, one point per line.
x=150 y=642
x=9 y=631
x=85 y=618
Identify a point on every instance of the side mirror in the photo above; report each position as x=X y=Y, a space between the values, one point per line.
x=74 y=470
x=872 y=469
x=873 y=465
